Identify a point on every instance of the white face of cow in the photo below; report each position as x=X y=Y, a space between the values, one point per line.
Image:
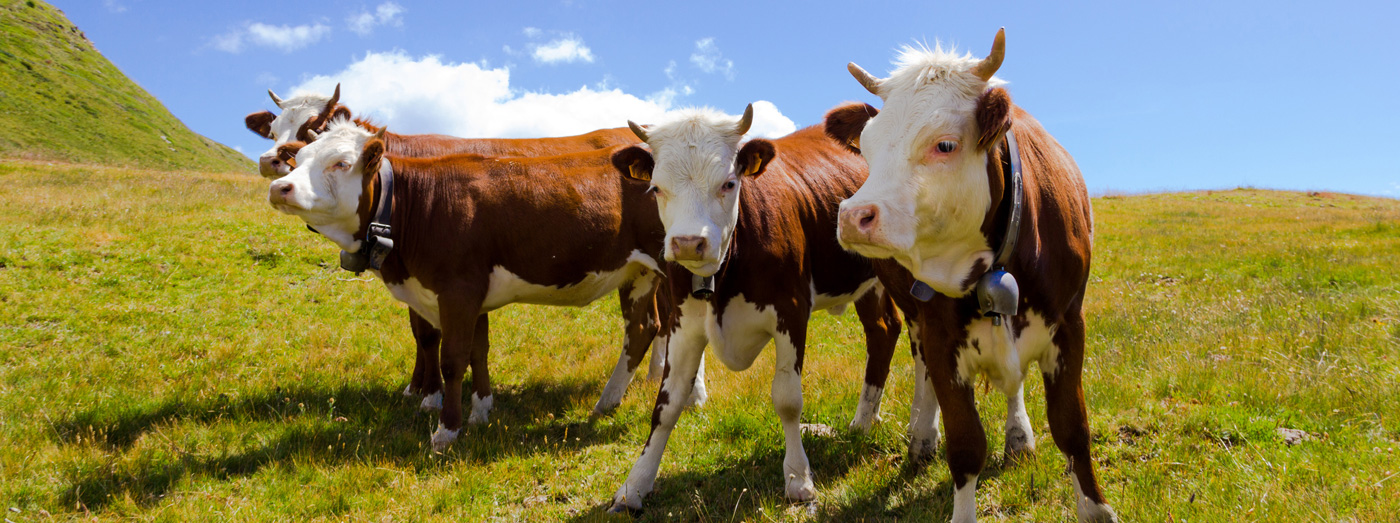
x=694 y=174
x=325 y=188
x=299 y=113
x=928 y=191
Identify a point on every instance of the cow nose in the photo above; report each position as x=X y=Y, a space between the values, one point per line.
x=688 y=247
x=863 y=218
x=269 y=167
x=279 y=192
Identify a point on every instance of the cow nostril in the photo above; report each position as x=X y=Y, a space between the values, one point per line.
x=276 y=162
x=285 y=190
x=700 y=245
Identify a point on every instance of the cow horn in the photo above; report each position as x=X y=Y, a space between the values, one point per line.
x=637 y=130
x=335 y=98
x=746 y=121
x=989 y=65
x=380 y=133
x=275 y=99
x=313 y=135
x=868 y=80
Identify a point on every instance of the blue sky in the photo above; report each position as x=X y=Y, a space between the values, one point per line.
x=1147 y=96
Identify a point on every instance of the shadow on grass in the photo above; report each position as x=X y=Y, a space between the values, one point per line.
x=737 y=489
x=327 y=427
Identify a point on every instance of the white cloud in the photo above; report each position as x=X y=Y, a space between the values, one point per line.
x=532 y=32
x=568 y=49
x=114 y=6
x=428 y=95
x=282 y=37
x=769 y=122
x=364 y=22
x=708 y=58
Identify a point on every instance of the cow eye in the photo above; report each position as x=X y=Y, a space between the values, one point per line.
x=729 y=185
x=653 y=190
x=947 y=146
x=342 y=165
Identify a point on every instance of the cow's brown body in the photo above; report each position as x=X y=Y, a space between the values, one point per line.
x=460 y=223
x=426 y=379
x=784 y=250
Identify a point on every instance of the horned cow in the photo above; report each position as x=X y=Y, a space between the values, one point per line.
x=749 y=229
x=985 y=216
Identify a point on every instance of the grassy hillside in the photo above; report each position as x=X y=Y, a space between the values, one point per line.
x=61 y=99
x=172 y=349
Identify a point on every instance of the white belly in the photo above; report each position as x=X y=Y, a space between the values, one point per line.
x=988 y=352
x=837 y=303
x=741 y=334
x=506 y=288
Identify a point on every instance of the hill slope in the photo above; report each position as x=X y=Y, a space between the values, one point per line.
x=61 y=99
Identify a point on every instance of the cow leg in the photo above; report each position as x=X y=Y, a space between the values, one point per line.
x=881 y=322
x=639 y=307
x=966 y=442
x=658 y=345
x=787 y=401
x=923 y=411
x=427 y=375
x=1020 y=439
x=461 y=313
x=683 y=361
x=1069 y=420
x=481 y=372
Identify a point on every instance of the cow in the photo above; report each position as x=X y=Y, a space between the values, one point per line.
x=471 y=234
x=752 y=252
x=302 y=117
x=978 y=210
x=306 y=115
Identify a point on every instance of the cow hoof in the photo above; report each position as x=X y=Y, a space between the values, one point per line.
x=862 y=424
x=481 y=409
x=618 y=508
x=1019 y=444
x=603 y=407
x=408 y=390
x=1096 y=513
x=431 y=402
x=443 y=438
x=800 y=489
x=922 y=450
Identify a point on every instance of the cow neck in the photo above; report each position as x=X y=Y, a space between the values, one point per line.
x=373 y=241
x=382 y=203
x=1013 y=189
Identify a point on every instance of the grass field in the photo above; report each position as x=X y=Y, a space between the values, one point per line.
x=172 y=349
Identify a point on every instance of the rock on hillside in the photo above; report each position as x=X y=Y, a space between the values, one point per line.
x=61 y=99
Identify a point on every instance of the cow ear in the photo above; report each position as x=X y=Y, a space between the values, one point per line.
x=340 y=111
x=993 y=117
x=261 y=123
x=634 y=162
x=371 y=155
x=845 y=123
x=754 y=157
x=287 y=152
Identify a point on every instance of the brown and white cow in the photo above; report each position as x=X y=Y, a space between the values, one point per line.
x=472 y=234
x=939 y=202
x=758 y=219
x=302 y=117
x=305 y=116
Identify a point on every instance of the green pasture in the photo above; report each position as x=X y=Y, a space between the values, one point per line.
x=173 y=349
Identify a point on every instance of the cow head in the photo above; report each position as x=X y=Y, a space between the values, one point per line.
x=327 y=188
x=929 y=189
x=696 y=169
x=302 y=117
